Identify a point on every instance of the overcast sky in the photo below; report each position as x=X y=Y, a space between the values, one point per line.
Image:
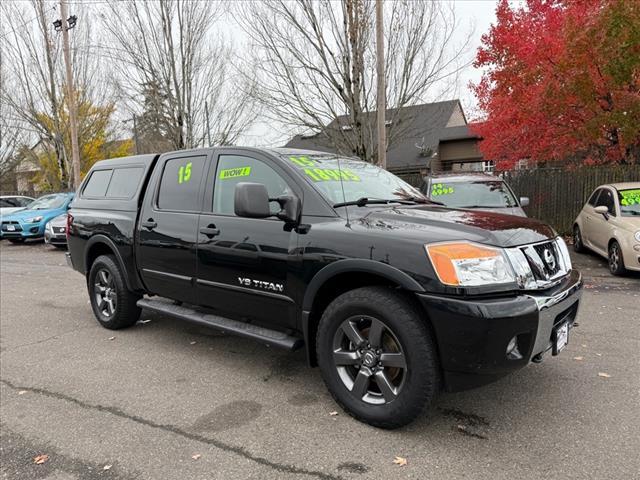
x=473 y=14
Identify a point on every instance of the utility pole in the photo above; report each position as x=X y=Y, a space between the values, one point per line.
x=206 y=111
x=135 y=134
x=66 y=24
x=381 y=100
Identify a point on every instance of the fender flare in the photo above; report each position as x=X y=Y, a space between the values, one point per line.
x=103 y=239
x=357 y=265
x=348 y=266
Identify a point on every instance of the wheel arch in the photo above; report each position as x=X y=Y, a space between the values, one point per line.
x=103 y=245
x=340 y=277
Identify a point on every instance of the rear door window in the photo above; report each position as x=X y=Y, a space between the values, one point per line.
x=180 y=184
x=97 y=184
x=124 y=182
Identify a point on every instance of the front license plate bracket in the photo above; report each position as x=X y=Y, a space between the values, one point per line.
x=559 y=338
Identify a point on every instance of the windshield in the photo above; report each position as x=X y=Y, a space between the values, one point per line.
x=359 y=179
x=48 y=202
x=470 y=194
x=629 y=202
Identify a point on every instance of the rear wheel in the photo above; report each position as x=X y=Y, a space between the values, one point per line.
x=377 y=356
x=578 y=246
x=113 y=305
x=616 y=262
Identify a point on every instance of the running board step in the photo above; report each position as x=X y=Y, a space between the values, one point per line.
x=235 y=327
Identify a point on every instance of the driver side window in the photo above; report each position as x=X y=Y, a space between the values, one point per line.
x=606 y=199
x=233 y=169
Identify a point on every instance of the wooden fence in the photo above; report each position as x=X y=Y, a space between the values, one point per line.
x=556 y=195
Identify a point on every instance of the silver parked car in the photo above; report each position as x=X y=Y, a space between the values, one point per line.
x=55 y=231
x=474 y=191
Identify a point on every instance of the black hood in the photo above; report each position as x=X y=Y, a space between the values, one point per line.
x=434 y=223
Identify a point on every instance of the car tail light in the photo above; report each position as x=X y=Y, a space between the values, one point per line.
x=69 y=223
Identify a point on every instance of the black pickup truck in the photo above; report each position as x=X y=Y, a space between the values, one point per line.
x=391 y=294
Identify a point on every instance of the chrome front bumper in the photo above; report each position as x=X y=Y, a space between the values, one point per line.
x=556 y=308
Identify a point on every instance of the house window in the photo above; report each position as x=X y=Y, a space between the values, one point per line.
x=488 y=166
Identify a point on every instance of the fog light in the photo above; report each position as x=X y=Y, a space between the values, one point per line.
x=636 y=248
x=512 y=349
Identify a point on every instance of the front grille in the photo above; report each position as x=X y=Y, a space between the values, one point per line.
x=548 y=253
x=539 y=265
x=16 y=225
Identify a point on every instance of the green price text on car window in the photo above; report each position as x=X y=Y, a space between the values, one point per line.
x=234 y=172
x=328 y=174
x=302 y=161
x=440 y=189
x=630 y=197
x=184 y=173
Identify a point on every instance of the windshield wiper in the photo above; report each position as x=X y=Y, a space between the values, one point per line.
x=361 y=202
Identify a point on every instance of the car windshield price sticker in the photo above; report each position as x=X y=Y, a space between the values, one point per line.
x=235 y=172
x=630 y=197
x=184 y=173
x=440 y=189
x=328 y=174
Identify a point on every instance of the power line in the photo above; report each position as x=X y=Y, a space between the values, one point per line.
x=26 y=22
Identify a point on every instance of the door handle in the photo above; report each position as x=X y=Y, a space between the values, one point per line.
x=149 y=224
x=210 y=230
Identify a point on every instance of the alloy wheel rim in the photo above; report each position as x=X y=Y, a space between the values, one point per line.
x=369 y=360
x=576 y=237
x=614 y=257
x=105 y=293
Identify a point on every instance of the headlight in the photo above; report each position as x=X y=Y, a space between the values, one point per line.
x=637 y=236
x=35 y=219
x=48 y=227
x=468 y=264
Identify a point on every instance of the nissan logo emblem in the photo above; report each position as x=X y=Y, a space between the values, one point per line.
x=549 y=258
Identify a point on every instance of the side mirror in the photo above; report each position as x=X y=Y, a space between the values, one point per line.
x=251 y=200
x=524 y=201
x=289 y=208
x=602 y=210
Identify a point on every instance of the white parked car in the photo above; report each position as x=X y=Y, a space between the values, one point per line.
x=609 y=224
x=13 y=203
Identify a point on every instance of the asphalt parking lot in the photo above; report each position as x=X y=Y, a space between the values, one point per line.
x=168 y=400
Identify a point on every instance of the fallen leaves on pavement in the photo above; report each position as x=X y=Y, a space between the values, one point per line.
x=22 y=392
x=400 y=461
x=112 y=338
x=107 y=467
x=578 y=358
x=333 y=414
x=196 y=456
x=40 y=459
x=604 y=375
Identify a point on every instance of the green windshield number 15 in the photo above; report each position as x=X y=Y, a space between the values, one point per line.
x=184 y=174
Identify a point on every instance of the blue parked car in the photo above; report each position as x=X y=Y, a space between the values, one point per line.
x=30 y=222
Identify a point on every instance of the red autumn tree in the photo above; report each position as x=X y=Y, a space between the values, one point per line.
x=561 y=82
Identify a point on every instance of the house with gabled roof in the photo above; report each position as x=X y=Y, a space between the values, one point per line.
x=431 y=137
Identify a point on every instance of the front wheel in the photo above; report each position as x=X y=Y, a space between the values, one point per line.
x=578 y=245
x=377 y=356
x=616 y=262
x=113 y=305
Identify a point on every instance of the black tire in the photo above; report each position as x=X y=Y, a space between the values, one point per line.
x=16 y=241
x=616 y=261
x=405 y=339
x=578 y=245
x=117 y=307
